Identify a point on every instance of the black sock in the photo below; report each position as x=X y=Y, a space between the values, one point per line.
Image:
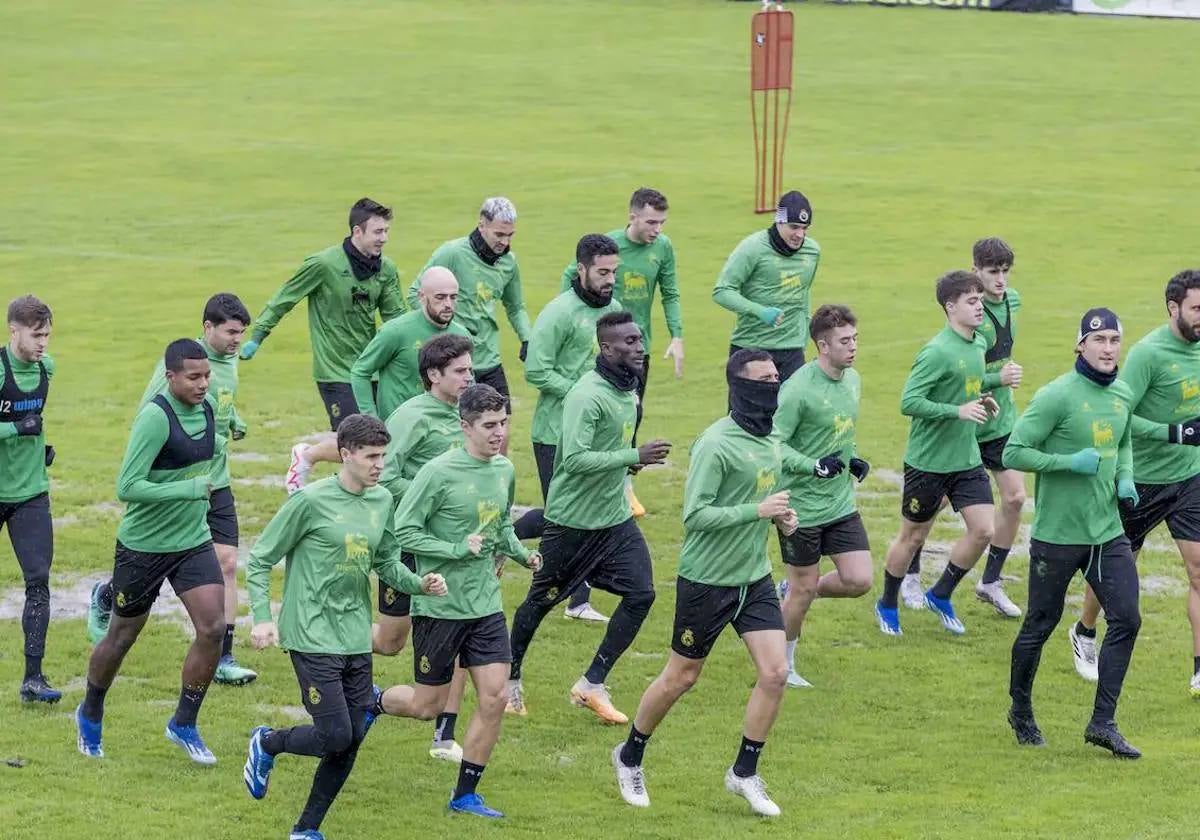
x=891 y=589
x=944 y=588
x=1196 y=664
x=914 y=568
x=227 y=642
x=468 y=778
x=443 y=729
x=995 y=563
x=33 y=666
x=1087 y=633
x=747 y=758
x=190 y=698
x=634 y=749
x=104 y=596
x=93 y=703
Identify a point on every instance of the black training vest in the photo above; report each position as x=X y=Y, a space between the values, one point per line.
x=1002 y=349
x=16 y=404
x=181 y=449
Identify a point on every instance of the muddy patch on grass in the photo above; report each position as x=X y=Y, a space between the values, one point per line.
x=249 y=457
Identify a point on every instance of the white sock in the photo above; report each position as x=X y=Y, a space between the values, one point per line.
x=791 y=654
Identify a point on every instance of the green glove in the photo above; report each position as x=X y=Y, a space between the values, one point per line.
x=1085 y=462
x=1127 y=494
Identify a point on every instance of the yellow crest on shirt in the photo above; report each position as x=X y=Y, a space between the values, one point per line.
x=973 y=387
x=1190 y=388
x=224 y=400
x=314 y=696
x=790 y=280
x=633 y=287
x=627 y=433
x=765 y=481
x=424 y=665
x=842 y=425
x=687 y=638
x=357 y=547
x=487 y=511
x=1102 y=433
x=484 y=292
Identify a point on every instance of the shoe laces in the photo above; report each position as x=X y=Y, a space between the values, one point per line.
x=637 y=780
x=758 y=786
x=516 y=696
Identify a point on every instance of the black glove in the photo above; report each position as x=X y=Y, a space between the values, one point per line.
x=829 y=466
x=237 y=434
x=859 y=469
x=49 y=455
x=524 y=350
x=1186 y=433
x=30 y=424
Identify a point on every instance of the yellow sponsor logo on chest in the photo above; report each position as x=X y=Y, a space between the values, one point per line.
x=973 y=387
x=1102 y=433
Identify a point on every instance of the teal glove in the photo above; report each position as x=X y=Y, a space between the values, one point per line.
x=1085 y=462
x=1127 y=494
x=770 y=315
x=249 y=349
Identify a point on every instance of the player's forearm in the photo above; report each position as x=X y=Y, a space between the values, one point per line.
x=1144 y=429
x=518 y=317
x=1125 y=454
x=914 y=405
x=258 y=583
x=364 y=394
x=395 y=574
x=133 y=489
x=673 y=313
x=415 y=540
x=585 y=461
x=735 y=302
x=795 y=461
x=546 y=379
x=511 y=547
x=991 y=380
x=1027 y=458
x=710 y=518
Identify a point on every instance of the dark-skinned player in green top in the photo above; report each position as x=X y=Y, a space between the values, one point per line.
x=344 y=286
x=456 y=518
x=392 y=354
x=731 y=497
x=421 y=429
x=948 y=394
x=1075 y=435
x=562 y=349
x=817 y=424
x=24 y=482
x=166 y=479
x=487 y=272
x=647 y=264
x=766 y=282
x=334 y=533
x=591 y=534
x=992 y=262
x=1163 y=374
x=224 y=321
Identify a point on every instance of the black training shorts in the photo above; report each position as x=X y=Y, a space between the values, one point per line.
x=138 y=575
x=612 y=559
x=702 y=611
x=333 y=683
x=1177 y=504
x=222 y=517
x=923 y=491
x=440 y=642
x=392 y=602
x=992 y=453
x=339 y=400
x=806 y=546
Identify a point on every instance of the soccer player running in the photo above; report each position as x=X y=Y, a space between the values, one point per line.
x=948 y=394
x=224 y=322
x=344 y=286
x=422 y=428
x=456 y=517
x=487 y=272
x=166 y=480
x=590 y=532
x=1162 y=372
x=562 y=348
x=817 y=423
x=1075 y=434
x=334 y=532
x=724 y=577
x=993 y=261
x=392 y=354
x=24 y=481
x=647 y=264
x=766 y=283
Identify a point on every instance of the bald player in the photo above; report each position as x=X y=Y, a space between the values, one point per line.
x=392 y=357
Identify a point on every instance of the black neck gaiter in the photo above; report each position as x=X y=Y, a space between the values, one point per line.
x=778 y=244
x=363 y=266
x=592 y=299
x=618 y=376
x=1088 y=372
x=752 y=404
x=482 y=249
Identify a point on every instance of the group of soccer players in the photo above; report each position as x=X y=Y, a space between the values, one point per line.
x=423 y=494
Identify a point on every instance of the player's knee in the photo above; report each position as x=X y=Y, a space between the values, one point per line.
x=1126 y=623
x=211 y=631
x=335 y=737
x=227 y=559
x=388 y=641
x=773 y=678
x=981 y=534
x=639 y=603
x=37 y=592
x=492 y=701
x=427 y=708
x=1013 y=500
x=681 y=680
x=856 y=582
